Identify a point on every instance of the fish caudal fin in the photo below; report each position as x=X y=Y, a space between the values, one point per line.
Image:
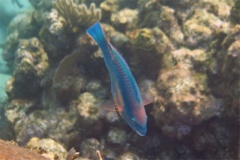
x=96 y=32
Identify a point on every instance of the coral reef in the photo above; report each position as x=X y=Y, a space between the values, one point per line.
x=72 y=154
x=77 y=15
x=31 y=62
x=4 y=74
x=219 y=8
x=46 y=4
x=20 y=27
x=150 y=45
x=184 y=93
x=227 y=77
x=57 y=23
x=88 y=148
x=235 y=12
x=53 y=35
x=22 y=24
x=88 y=111
x=5 y=125
x=117 y=136
x=12 y=151
x=200 y=26
x=161 y=17
x=128 y=155
x=108 y=7
x=9 y=48
x=49 y=147
x=185 y=56
x=125 y=19
x=96 y=87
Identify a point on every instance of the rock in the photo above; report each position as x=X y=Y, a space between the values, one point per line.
x=88 y=114
x=89 y=147
x=128 y=156
x=4 y=78
x=49 y=147
x=31 y=62
x=12 y=151
x=199 y=28
x=117 y=136
x=125 y=19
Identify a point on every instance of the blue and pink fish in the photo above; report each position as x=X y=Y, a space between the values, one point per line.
x=125 y=92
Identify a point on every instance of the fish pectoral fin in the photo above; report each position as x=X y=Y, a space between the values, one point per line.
x=108 y=105
x=111 y=106
x=147 y=98
x=117 y=108
x=105 y=107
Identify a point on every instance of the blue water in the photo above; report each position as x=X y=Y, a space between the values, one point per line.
x=8 y=11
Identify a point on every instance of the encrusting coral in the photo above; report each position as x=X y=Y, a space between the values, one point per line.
x=68 y=81
x=88 y=148
x=88 y=111
x=235 y=13
x=162 y=17
x=184 y=89
x=77 y=15
x=226 y=73
x=31 y=62
x=12 y=151
x=20 y=27
x=108 y=7
x=57 y=23
x=220 y=8
x=50 y=148
x=125 y=19
x=200 y=26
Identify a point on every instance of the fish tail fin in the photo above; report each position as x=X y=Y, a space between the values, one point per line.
x=96 y=32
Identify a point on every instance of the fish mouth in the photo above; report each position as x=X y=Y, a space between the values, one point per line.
x=141 y=130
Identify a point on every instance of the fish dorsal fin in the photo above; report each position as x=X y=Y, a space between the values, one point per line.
x=119 y=54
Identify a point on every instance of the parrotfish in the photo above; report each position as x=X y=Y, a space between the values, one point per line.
x=125 y=92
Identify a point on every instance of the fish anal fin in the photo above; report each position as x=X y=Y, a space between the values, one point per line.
x=108 y=105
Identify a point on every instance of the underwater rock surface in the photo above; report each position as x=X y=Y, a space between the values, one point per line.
x=12 y=151
x=185 y=56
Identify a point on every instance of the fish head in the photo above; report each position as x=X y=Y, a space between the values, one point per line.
x=140 y=129
x=137 y=120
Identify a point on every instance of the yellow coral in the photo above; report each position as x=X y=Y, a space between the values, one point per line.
x=77 y=15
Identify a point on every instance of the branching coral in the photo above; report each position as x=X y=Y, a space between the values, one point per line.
x=77 y=15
